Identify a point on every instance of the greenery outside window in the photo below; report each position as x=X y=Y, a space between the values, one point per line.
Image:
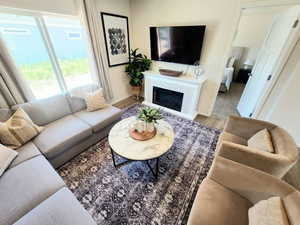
x=50 y=51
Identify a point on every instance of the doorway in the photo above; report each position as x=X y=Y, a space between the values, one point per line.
x=256 y=51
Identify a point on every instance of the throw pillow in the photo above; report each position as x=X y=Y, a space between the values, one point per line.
x=18 y=130
x=95 y=101
x=6 y=157
x=268 y=212
x=262 y=140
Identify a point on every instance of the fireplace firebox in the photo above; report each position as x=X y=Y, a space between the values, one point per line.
x=167 y=98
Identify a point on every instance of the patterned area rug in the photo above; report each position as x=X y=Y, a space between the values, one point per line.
x=130 y=194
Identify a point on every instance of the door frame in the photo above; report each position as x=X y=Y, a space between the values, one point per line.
x=287 y=51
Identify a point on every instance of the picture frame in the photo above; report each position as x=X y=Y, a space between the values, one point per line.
x=116 y=36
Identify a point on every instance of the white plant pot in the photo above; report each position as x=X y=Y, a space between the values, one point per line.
x=149 y=127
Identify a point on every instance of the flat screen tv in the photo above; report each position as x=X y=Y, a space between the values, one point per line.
x=177 y=44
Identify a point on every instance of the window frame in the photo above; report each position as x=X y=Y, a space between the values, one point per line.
x=41 y=24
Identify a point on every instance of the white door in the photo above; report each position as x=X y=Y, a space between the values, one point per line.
x=269 y=56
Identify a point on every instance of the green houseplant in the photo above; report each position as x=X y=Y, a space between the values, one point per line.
x=138 y=63
x=149 y=116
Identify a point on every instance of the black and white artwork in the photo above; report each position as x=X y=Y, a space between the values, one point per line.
x=117 y=41
x=116 y=36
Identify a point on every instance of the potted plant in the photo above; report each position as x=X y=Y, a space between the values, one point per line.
x=149 y=116
x=138 y=63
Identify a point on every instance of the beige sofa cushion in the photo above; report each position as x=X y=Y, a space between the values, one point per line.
x=268 y=212
x=6 y=157
x=261 y=140
x=217 y=205
x=95 y=101
x=18 y=130
x=292 y=207
x=225 y=136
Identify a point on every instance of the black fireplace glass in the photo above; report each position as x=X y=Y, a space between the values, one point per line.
x=167 y=98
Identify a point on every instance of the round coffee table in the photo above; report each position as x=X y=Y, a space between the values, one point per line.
x=133 y=150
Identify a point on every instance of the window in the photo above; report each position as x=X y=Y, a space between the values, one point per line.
x=16 y=31
x=71 y=53
x=50 y=61
x=74 y=35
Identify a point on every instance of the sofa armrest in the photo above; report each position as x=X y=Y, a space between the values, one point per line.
x=274 y=164
x=248 y=182
x=245 y=127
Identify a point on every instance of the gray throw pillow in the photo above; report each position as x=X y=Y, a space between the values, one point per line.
x=7 y=155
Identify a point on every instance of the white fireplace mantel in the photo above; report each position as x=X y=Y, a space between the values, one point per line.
x=189 y=86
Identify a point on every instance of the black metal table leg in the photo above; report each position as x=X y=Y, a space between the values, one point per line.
x=113 y=157
x=155 y=173
x=121 y=163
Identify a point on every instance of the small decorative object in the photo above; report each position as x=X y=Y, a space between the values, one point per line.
x=115 y=28
x=138 y=64
x=172 y=73
x=198 y=70
x=144 y=128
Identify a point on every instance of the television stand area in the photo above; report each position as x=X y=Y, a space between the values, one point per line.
x=177 y=95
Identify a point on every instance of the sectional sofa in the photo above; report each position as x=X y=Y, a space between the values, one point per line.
x=31 y=192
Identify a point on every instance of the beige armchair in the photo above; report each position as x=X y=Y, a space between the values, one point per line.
x=230 y=189
x=233 y=145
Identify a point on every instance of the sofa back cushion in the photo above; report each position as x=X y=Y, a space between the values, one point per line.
x=284 y=144
x=45 y=111
x=76 y=96
x=76 y=103
x=5 y=114
x=18 y=130
x=6 y=157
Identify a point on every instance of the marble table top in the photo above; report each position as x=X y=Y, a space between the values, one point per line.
x=125 y=146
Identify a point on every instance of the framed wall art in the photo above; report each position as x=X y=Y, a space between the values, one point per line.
x=116 y=35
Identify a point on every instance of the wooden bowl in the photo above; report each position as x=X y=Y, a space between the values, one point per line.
x=144 y=136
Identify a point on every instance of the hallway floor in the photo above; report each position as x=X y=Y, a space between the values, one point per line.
x=226 y=102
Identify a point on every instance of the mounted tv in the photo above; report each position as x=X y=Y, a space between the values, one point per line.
x=177 y=44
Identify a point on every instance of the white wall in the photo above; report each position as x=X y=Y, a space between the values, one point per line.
x=282 y=106
x=220 y=16
x=118 y=78
x=253 y=28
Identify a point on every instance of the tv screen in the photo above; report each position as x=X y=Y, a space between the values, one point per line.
x=178 y=44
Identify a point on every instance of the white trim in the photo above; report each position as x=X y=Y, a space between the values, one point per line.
x=290 y=45
x=51 y=52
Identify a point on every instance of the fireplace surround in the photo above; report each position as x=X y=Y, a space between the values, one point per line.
x=178 y=95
